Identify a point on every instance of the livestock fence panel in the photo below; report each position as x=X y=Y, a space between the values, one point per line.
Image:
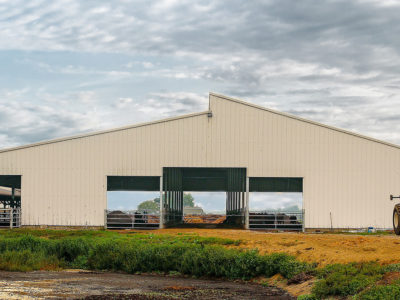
x=10 y=218
x=132 y=219
x=277 y=220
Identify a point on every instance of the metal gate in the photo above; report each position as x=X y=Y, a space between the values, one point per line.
x=132 y=219
x=10 y=217
x=277 y=220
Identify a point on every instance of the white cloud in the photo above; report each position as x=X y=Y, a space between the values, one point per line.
x=123 y=102
x=21 y=121
x=167 y=104
x=147 y=65
x=273 y=201
x=86 y=97
x=337 y=62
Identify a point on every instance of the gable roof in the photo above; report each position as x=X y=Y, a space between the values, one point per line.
x=58 y=140
x=305 y=120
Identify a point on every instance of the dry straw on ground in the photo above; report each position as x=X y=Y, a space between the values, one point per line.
x=321 y=248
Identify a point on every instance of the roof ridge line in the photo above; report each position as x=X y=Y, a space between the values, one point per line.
x=305 y=120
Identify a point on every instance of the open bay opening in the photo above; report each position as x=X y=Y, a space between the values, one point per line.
x=133 y=202
x=276 y=203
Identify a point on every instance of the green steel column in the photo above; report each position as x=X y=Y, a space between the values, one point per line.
x=12 y=197
x=247 y=214
x=161 y=203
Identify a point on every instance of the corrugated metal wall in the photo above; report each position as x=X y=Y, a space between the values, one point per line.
x=345 y=175
x=64 y=183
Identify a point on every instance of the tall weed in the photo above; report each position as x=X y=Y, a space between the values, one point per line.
x=190 y=255
x=27 y=260
x=344 y=280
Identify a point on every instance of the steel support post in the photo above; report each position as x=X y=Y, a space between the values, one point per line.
x=231 y=202
x=247 y=214
x=181 y=206
x=12 y=197
x=11 y=217
x=234 y=202
x=227 y=203
x=161 y=204
x=228 y=194
x=237 y=202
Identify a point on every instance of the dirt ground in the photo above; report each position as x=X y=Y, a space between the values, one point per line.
x=77 y=284
x=321 y=248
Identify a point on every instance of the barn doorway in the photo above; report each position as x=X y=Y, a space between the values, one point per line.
x=10 y=201
x=230 y=183
x=133 y=202
x=204 y=208
x=276 y=203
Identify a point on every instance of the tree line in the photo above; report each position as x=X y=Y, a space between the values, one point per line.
x=154 y=205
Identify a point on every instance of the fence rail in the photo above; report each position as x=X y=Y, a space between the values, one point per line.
x=132 y=219
x=10 y=217
x=276 y=220
x=258 y=220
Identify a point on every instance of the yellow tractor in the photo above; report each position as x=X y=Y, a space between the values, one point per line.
x=396 y=216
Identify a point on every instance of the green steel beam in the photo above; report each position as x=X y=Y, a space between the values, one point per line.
x=276 y=184
x=10 y=181
x=133 y=183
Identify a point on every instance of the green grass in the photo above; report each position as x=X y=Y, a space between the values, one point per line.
x=26 y=260
x=306 y=297
x=344 y=280
x=135 y=253
x=381 y=292
x=354 y=281
x=100 y=234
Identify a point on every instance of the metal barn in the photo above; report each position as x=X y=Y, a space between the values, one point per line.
x=236 y=147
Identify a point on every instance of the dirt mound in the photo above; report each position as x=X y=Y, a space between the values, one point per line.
x=299 y=278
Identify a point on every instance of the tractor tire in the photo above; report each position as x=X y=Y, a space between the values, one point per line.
x=396 y=221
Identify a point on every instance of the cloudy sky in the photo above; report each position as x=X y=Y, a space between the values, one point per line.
x=68 y=67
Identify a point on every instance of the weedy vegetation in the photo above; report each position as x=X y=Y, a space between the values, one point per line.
x=136 y=253
x=185 y=254
x=356 y=281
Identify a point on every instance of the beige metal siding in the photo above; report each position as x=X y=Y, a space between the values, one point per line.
x=348 y=176
x=64 y=182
